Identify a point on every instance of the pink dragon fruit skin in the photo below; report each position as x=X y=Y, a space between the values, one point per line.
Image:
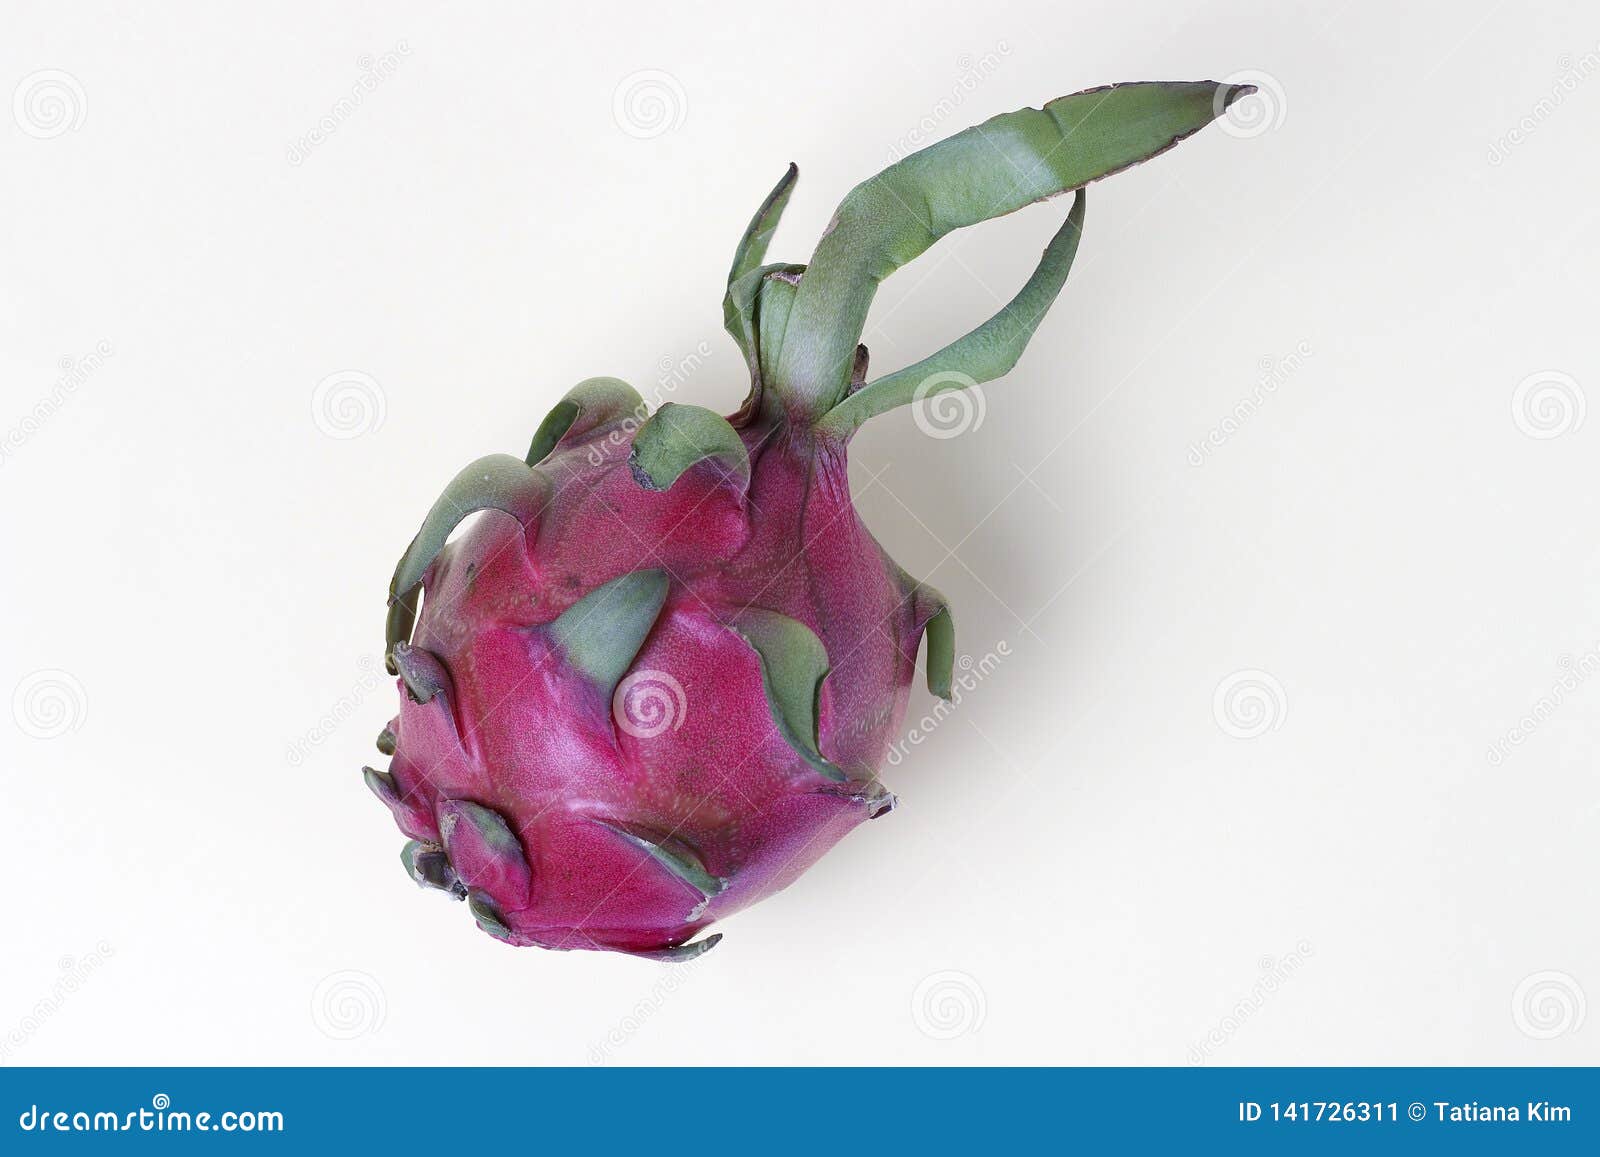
x=653 y=682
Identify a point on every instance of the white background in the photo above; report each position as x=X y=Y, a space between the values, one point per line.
x=196 y=560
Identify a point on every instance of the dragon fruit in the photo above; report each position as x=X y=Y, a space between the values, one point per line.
x=654 y=682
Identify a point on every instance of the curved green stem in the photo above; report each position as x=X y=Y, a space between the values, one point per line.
x=986 y=171
x=988 y=352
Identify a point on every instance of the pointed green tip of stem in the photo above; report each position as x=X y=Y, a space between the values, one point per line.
x=1232 y=92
